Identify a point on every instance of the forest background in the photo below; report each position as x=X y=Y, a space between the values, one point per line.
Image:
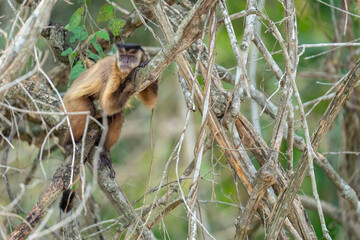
x=302 y=50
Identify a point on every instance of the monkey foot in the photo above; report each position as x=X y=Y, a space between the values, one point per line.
x=106 y=161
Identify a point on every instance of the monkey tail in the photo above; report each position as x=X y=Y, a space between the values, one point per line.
x=67 y=200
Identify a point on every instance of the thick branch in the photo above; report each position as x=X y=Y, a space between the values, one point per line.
x=60 y=181
x=186 y=35
x=335 y=213
x=252 y=140
x=117 y=197
x=264 y=180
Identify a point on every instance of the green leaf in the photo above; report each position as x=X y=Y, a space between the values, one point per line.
x=75 y=19
x=77 y=70
x=115 y=26
x=67 y=51
x=72 y=57
x=93 y=55
x=103 y=34
x=106 y=13
x=96 y=45
x=75 y=186
x=79 y=33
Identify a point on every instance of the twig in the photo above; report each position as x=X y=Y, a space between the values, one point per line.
x=92 y=219
x=333 y=212
x=16 y=54
x=4 y=170
x=60 y=180
x=124 y=11
x=260 y=150
x=121 y=203
x=323 y=127
x=35 y=164
x=241 y=79
x=292 y=38
x=167 y=210
x=166 y=27
x=229 y=151
x=339 y=9
x=185 y=35
x=193 y=193
x=290 y=143
x=187 y=94
x=255 y=28
x=264 y=180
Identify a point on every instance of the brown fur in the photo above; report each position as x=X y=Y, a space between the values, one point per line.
x=149 y=95
x=111 y=80
x=115 y=123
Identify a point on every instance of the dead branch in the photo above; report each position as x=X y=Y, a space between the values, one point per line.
x=323 y=127
x=16 y=55
x=60 y=181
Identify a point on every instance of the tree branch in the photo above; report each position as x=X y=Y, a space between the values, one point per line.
x=323 y=127
x=16 y=55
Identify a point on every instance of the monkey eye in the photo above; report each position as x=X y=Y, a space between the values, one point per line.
x=127 y=56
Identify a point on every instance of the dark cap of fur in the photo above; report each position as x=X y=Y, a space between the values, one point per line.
x=129 y=46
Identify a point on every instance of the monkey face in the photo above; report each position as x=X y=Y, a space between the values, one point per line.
x=127 y=62
x=128 y=57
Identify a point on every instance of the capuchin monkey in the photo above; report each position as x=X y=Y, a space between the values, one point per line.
x=111 y=81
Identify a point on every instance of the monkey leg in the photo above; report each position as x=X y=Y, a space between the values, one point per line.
x=149 y=95
x=77 y=122
x=115 y=123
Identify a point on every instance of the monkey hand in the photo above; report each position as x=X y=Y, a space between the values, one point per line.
x=106 y=161
x=132 y=75
x=143 y=64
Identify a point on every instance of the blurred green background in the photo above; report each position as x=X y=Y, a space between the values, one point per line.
x=133 y=155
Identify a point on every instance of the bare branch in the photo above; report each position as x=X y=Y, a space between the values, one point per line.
x=323 y=127
x=16 y=55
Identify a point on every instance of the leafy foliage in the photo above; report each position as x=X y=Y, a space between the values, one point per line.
x=93 y=55
x=96 y=45
x=77 y=70
x=115 y=26
x=67 y=51
x=80 y=34
x=75 y=19
x=106 y=13
x=103 y=34
x=77 y=27
x=71 y=55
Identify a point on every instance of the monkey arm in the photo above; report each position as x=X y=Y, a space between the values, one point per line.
x=116 y=96
x=149 y=95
